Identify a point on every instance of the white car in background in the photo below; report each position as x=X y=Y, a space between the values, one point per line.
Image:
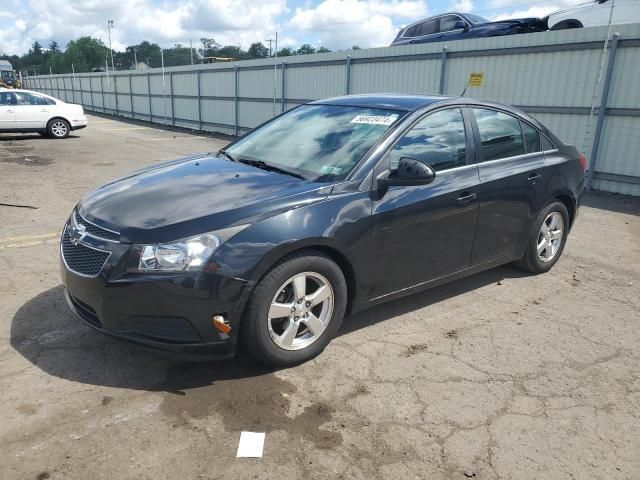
x=26 y=111
x=595 y=13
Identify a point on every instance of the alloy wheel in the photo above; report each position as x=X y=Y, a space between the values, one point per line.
x=59 y=129
x=300 y=311
x=550 y=237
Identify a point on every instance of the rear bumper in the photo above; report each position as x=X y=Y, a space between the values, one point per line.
x=79 y=122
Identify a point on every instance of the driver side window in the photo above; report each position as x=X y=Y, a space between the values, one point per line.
x=438 y=139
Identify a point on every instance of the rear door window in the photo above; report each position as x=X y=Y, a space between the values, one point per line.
x=500 y=134
x=429 y=27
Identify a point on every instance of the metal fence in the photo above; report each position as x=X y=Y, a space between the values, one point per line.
x=587 y=94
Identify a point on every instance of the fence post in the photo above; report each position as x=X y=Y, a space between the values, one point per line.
x=443 y=70
x=102 y=91
x=199 y=102
x=602 y=110
x=235 y=99
x=115 y=91
x=93 y=108
x=282 y=87
x=149 y=96
x=173 y=112
x=348 y=79
x=130 y=96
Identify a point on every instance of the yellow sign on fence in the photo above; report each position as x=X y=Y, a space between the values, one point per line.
x=476 y=79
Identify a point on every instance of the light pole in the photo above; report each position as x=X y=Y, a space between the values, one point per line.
x=109 y=27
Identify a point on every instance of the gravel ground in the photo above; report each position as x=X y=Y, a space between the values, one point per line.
x=500 y=375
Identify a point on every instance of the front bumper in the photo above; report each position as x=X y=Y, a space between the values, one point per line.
x=170 y=312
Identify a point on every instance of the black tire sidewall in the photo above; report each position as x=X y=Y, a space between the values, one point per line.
x=261 y=344
x=535 y=264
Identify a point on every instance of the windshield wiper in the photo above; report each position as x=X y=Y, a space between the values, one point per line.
x=269 y=167
x=224 y=152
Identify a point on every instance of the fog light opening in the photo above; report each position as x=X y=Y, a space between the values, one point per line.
x=221 y=323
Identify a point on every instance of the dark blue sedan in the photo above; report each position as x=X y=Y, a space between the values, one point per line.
x=459 y=26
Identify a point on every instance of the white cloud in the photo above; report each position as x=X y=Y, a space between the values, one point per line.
x=235 y=22
x=342 y=23
x=463 y=6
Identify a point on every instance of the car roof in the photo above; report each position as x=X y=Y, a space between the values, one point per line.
x=390 y=101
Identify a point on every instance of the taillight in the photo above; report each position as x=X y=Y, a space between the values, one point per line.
x=583 y=162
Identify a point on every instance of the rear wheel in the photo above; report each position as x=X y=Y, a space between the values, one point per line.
x=547 y=239
x=58 y=128
x=295 y=310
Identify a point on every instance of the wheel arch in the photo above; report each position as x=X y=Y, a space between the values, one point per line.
x=323 y=245
x=568 y=23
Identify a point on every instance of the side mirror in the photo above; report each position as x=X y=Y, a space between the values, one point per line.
x=460 y=25
x=410 y=172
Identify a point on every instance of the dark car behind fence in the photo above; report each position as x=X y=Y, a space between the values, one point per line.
x=551 y=75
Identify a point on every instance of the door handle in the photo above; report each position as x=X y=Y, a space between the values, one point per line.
x=533 y=177
x=466 y=198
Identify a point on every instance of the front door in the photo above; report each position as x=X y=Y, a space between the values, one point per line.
x=7 y=111
x=31 y=110
x=420 y=233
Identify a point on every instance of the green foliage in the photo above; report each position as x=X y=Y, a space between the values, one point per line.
x=87 y=53
x=258 y=50
x=306 y=49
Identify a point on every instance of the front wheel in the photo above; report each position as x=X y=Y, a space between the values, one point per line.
x=547 y=240
x=58 y=128
x=295 y=310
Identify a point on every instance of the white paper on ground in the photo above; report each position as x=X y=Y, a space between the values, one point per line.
x=251 y=445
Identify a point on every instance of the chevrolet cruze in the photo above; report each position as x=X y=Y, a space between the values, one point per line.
x=332 y=207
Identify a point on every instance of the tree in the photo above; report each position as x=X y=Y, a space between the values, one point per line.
x=306 y=49
x=36 y=49
x=258 y=50
x=209 y=47
x=286 y=52
x=323 y=50
x=85 y=53
x=54 y=48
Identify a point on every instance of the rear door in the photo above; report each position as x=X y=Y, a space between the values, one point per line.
x=7 y=111
x=512 y=173
x=32 y=111
x=421 y=233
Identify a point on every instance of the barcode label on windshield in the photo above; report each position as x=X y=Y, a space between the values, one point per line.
x=375 y=119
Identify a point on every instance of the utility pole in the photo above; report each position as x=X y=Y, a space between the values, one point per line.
x=270 y=40
x=109 y=27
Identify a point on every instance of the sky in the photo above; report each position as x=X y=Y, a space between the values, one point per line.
x=335 y=24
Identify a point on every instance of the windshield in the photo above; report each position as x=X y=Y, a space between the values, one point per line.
x=475 y=19
x=319 y=142
x=8 y=74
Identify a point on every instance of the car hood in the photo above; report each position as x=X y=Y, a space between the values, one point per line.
x=193 y=195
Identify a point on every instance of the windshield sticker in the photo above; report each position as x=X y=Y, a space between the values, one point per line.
x=375 y=119
x=326 y=170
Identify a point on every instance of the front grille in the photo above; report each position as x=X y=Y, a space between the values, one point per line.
x=95 y=230
x=81 y=259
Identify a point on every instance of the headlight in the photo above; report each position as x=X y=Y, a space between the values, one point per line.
x=190 y=254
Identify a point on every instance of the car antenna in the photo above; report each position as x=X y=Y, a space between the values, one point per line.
x=465 y=87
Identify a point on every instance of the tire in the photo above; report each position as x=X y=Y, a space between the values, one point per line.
x=58 y=128
x=551 y=243
x=296 y=336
